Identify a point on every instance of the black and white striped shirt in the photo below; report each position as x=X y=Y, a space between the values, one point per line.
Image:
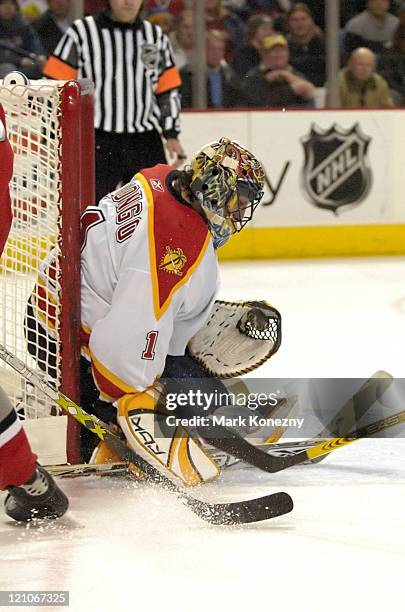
x=132 y=68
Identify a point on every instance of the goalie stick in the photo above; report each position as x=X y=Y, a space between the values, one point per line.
x=241 y=450
x=285 y=454
x=232 y=513
x=350 y=413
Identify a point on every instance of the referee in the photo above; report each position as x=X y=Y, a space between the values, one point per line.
x=136 y=89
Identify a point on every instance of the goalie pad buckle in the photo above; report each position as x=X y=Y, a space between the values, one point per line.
x=237 y=338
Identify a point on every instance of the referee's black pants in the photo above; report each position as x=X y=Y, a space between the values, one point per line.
x=120 y=156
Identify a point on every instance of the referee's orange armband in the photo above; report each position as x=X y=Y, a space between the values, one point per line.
x=169 y=79
x=56 y=69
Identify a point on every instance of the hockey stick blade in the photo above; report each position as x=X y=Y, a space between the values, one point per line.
x=249 y=511
x=240 y=513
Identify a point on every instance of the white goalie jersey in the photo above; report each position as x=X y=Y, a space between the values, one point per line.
x=148 y=283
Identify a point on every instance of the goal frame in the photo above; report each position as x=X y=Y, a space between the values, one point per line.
x=76 y=190
x=77 y=141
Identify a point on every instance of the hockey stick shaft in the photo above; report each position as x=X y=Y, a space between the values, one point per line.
x=340 y=424
x=356 y=407
x=308 y=450
x=248 y=511
x=328 y=446
x=89 y=469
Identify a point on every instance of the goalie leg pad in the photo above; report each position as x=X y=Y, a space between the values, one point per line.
x=174 y=454
x=103 y=453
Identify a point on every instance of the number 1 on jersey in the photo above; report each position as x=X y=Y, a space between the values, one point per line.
x=151 y=339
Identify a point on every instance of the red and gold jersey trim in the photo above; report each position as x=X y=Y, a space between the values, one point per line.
x=109 y=384
x=84 y=340
x=174 y=252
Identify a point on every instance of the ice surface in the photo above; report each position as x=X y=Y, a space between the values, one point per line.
x=127 y=546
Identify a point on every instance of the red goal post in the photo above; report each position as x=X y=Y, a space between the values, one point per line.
x=50 y=126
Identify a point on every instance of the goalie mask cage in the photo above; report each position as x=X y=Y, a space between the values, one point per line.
x=50 y=127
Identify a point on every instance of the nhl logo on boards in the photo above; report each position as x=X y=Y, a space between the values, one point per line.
x=173 y=261
x=156 y=185
x=336 y=171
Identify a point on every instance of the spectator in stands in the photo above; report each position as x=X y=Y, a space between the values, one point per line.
x=277 y=9
x=391 y=63
x=248 y=56
x=274 y=82
x=347 y=10
x=182 y=39
x=396 y=6
x=32 y=9
x=222 y=84
x=161 y=18
x=307 y=46
x=219 y=18
x=16 y=38
x=51 y=26
x=241 y=7
x=373 y=28
x=174 y=7
x=360 y=86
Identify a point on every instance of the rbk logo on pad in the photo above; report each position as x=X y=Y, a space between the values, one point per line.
x=147 y=439
x=336 y=171
x=156 y=185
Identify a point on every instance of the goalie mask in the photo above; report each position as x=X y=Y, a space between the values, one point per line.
x=227 y=181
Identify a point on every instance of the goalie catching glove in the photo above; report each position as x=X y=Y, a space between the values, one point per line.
x=237 y=338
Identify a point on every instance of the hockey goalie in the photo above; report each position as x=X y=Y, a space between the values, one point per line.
x=149 y=319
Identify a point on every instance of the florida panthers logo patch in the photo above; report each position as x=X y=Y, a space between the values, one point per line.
x=173 y=261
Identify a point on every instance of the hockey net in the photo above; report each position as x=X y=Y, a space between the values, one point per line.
x=50 y=127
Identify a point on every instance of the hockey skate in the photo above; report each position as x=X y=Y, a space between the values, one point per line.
x=39 y=498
